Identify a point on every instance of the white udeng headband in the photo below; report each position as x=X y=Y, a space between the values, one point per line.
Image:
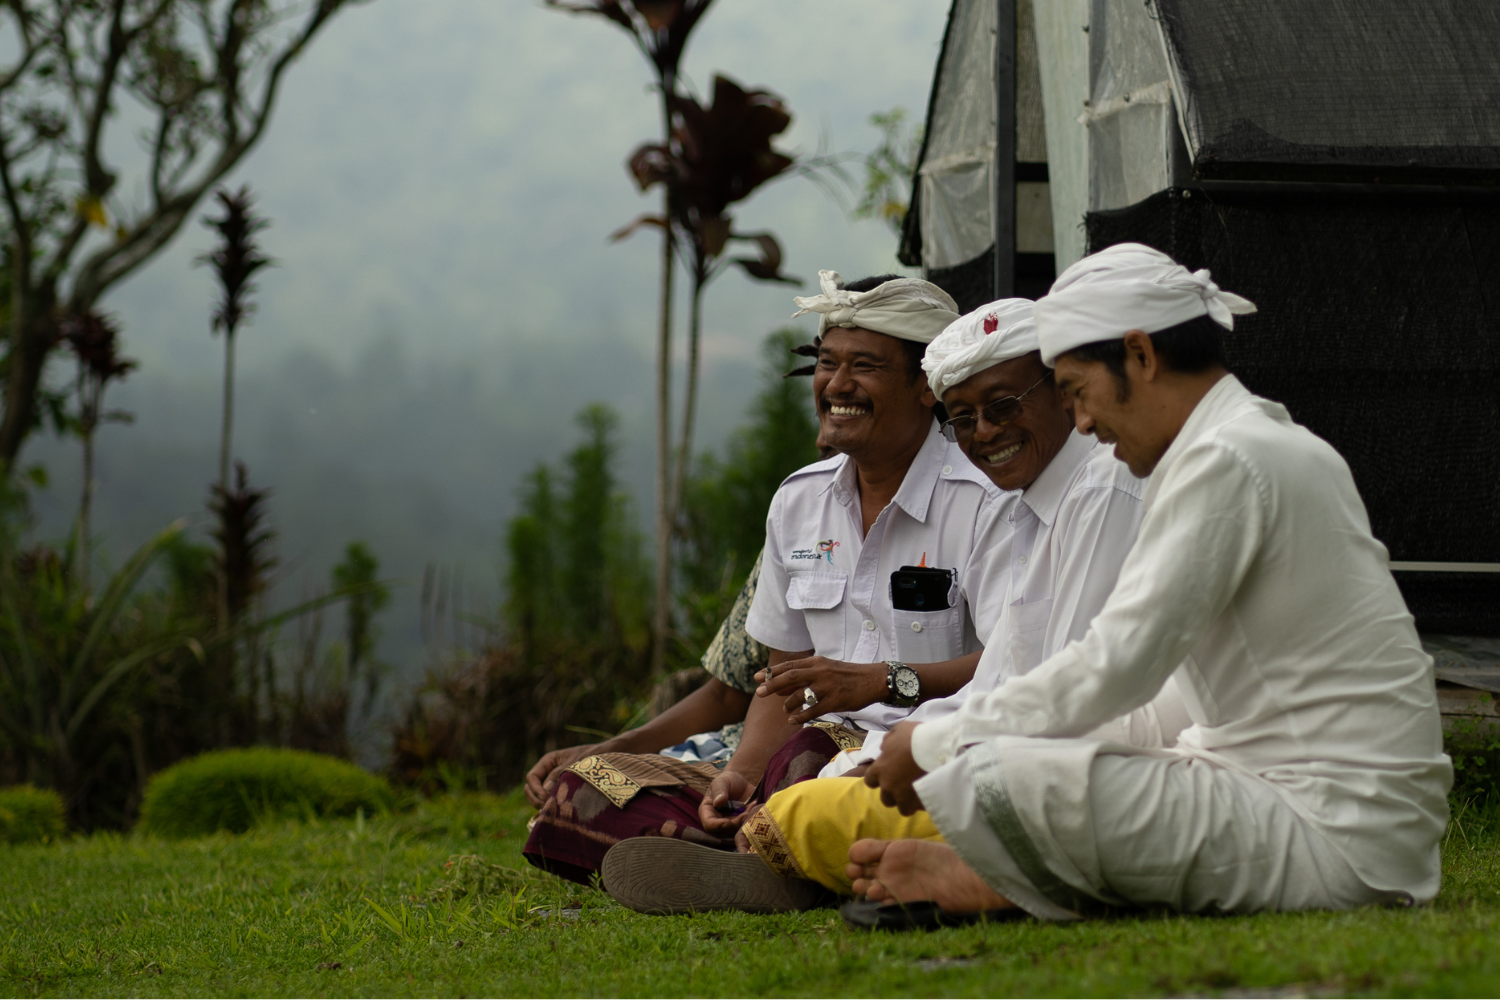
x=1127 y=287
x=909 y=308
x=981 y=339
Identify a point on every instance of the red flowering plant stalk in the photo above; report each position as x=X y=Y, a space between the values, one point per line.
x=660 y=29
x=717 y=155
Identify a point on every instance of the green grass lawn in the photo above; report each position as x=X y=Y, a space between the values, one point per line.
x=350 y=908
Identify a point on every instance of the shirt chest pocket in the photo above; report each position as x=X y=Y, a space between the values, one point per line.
x=819 y=595
x=1028 y=634
x=928 y=636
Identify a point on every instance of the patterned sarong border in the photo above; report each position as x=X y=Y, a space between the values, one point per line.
x=844 y=739
x=995 y=803
x=613 y=783
x=769 y=844
x=619 y=777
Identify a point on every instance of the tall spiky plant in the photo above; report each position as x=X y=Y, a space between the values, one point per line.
x=94 y=339
x=235 y=262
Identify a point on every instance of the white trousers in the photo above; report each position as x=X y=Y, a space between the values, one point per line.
x=1065 y=828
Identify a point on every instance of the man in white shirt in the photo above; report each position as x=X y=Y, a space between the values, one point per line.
x=898 y=494
x=1313 y=776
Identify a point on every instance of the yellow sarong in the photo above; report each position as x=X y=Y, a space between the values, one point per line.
x=805 y=831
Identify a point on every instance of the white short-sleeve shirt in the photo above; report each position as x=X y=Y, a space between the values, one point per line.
x=824 y=588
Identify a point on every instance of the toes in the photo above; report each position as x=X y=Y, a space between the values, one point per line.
x=867 y=852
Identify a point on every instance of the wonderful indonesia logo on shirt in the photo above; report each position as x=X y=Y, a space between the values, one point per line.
x=823 y=550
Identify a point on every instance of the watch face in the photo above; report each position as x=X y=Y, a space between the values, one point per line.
x=908 y=684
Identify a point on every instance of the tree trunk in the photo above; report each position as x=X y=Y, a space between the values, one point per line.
x=85 y=508
x=227 y=428
x=690 y=398
x=33 y=331
x=661 y=609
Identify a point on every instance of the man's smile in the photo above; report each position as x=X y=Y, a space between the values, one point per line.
x=1003 y=455
x=847 y=411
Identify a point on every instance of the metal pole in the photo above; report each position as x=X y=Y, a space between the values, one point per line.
x=1005 y=148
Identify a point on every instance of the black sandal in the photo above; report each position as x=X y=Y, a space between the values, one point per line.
x=919 y=916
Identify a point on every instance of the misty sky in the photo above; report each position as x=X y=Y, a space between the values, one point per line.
x=441 y=176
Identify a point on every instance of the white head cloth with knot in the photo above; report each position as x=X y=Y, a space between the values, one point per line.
x=908 y=308
x=1127 y=287
x=985 y=337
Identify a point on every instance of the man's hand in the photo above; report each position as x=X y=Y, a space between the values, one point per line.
x=716 y=810
x=840 y=687
x=542 y=778
x=895 y=769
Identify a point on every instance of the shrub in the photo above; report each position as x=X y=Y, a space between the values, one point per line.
x=30 y=814
x=234 y=789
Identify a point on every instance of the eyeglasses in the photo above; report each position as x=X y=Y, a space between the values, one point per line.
x=997 y=413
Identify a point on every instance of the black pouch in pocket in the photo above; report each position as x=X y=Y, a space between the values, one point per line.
x=921 y=588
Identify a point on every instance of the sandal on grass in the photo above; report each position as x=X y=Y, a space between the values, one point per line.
x=662 y=875
x=918 y=916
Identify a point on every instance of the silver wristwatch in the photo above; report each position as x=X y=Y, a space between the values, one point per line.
x=903 y=684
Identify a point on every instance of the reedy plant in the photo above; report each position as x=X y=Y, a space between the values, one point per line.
x=234 y=262
x=94 y=340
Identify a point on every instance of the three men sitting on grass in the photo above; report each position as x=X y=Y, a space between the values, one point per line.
x=1312 y=774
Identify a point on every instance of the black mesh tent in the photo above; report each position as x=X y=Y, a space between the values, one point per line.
x=1338 y=164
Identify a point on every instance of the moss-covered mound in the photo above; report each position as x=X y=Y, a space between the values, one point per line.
x=235 y=789
x=29 y=814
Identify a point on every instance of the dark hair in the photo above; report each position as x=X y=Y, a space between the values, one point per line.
x=1191 y=347
x=912 y=349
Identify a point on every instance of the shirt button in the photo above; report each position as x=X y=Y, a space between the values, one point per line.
x=1023 y=560
x=947 y=470
x=916 y=626
x=869 y=626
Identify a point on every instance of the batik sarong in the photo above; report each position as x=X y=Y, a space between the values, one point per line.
x=607 y=798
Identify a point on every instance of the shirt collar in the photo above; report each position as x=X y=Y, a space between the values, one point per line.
x=915 y=494
x=1046 y=493
x=1217 y=405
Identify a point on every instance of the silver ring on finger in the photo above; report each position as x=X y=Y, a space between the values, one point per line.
x=809 y=697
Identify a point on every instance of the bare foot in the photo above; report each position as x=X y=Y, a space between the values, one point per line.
x=909 y=871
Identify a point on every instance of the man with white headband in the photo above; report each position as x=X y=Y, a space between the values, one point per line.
x=1077 y=516
x=853 y=648
x=1313 y=775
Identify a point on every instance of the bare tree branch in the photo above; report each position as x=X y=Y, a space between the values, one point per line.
x=208 y=72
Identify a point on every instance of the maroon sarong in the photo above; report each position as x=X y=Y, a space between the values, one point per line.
x=579 y=822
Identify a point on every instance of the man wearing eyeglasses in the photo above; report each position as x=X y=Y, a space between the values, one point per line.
x=1065 y=540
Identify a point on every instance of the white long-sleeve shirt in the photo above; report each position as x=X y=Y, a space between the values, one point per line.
x=1256 y=572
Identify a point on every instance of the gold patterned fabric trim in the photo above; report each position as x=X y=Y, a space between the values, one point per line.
x=769 y=844
x=619 y=777
x=844 y=739
x=613 y=783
